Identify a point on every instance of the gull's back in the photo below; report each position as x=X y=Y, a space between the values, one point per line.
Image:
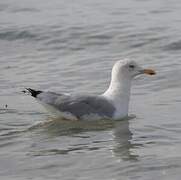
x=81 y=107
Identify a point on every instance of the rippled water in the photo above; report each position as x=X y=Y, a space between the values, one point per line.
x=70 y=46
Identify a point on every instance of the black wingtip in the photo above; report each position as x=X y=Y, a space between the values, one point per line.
x=33 y=92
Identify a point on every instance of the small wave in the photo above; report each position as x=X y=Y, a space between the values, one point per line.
x=16 y=35
x=146 y=41
x=17 y=10
x=173 y=46
x=100 y=37
x=161 y=11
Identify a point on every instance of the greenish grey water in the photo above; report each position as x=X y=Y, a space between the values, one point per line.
x=70 y=46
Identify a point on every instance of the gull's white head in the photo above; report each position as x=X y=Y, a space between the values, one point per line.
x=129 y=69
x=119 y=89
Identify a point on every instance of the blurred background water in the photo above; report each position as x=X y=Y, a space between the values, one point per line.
x=70 y=46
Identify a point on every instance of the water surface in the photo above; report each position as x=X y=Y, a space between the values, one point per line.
x=70 y=46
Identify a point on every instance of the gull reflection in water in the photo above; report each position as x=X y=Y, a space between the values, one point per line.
x=124 y=144
x=121 y=144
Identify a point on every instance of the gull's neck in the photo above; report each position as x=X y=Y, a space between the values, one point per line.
x=119 y=94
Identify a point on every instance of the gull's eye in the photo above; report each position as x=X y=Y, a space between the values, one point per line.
x=131 y=66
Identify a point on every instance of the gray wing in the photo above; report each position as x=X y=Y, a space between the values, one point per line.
x=78 y=105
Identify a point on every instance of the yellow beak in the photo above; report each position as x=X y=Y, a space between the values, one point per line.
x=149 y=71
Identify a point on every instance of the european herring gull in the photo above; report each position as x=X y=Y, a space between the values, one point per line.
x=112 y=104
